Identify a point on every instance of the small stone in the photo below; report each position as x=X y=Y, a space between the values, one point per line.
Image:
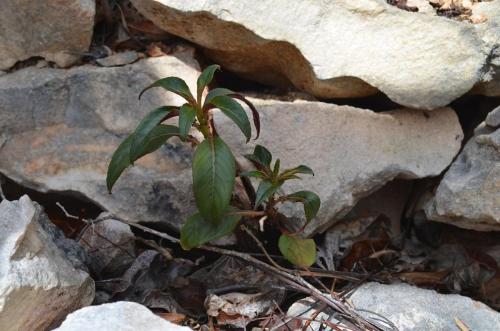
x=118 y=59
x=110 y=245
x=42 y=64
x=493 y=118
x=117 y=316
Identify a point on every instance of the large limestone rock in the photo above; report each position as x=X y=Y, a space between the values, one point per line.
x=59 y=129
x=469 y=194
x=117 y=316
x=352 y=151
x=409 y=308
x=59 y=31
x=343 y=48
x=38 y=285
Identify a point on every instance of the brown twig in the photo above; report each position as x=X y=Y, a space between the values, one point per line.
x=286 y=276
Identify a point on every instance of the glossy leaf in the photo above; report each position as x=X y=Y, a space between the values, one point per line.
x=235 y=112
x=187 y=114
x=261 y=156
x=264 y=191
x=253 y=173
x=217 y=92
x=205 y=78
x=214 y=171
x=145 y=127
x=290 y=173
x=157 y=137
x=172 y=84
x=197 y=231
x=255 y=113
x=310 y=200
x=119 y=162
x=121 y=157
x=299 y=251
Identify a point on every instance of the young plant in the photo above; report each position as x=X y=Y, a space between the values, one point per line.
x=214 y=166
x=294 y=248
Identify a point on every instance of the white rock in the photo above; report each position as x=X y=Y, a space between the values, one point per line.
x=59 y=31
x=117 y=316
x=409 y=308
x=352 y=151
x=342 y=48
x=38 y=285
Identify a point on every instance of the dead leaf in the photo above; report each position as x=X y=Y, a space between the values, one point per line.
x=175 y=318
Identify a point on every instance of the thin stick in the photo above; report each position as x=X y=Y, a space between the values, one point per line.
x=294 y=281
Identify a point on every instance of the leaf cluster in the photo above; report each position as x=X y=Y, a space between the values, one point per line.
x=214 y=165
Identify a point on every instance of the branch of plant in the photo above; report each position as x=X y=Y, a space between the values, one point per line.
x=287 y=276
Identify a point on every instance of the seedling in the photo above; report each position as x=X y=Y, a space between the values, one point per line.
x=214 y=166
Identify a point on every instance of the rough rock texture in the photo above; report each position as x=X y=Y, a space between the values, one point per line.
x=38 y=285
x=342 y=48
x=352 y=151
x=71 y=121
x=117 y=316
x=469 y=194
x=411 y=308
x=73 y=251
x=42 y=29
x=110 y=245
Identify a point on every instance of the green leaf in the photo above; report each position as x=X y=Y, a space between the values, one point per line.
x=235 y=112
x=215 y=93
x=198 y=231
x=255 y=113
x=214 y=171
x=310 y=200
x=261 y=156
x=144 y=128
x=157 y=137
x=173 y=84
x=187 y=115
x=276 y=168
x=253 y=173
x=290 y=173
x=301 y=252
x=121 y=157
x=205 y=78
x=119 y=162
x=265 y=190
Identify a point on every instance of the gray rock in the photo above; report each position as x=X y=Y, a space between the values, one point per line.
x=409 y=308
x=59 y=31
x=117 y=316
x=469 y=194
x=71 y=121
x=342 y=48
x=119 y=59
x=493 y=118
x=73 y=251
x=352 y=151
x=38 y=285
x=110 y=245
